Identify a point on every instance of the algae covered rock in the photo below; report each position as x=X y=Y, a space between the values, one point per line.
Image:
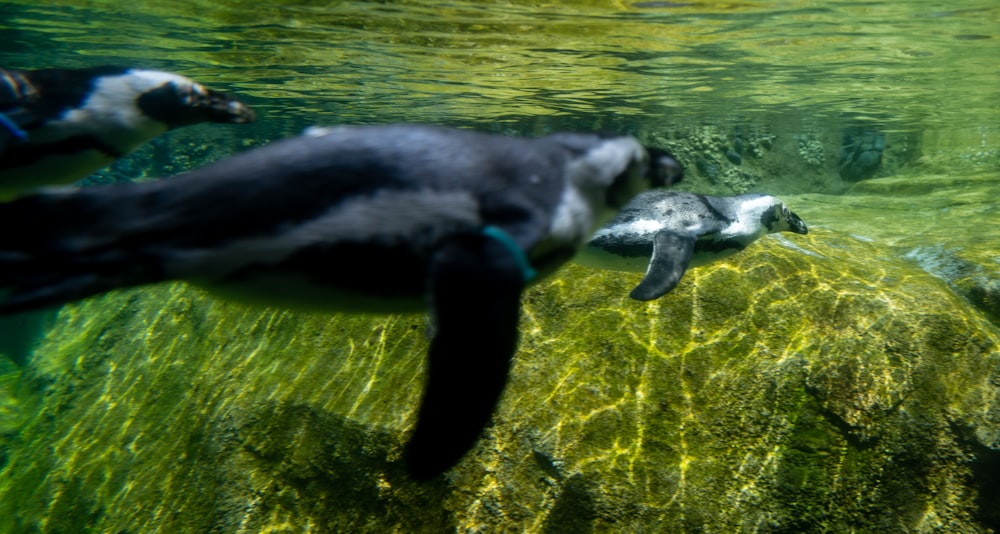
x=945 y=223
x=207 y=415
x=790 y=390
x=809 y=384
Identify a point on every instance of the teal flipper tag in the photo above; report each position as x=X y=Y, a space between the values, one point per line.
x=508 y=242
x=13 y=128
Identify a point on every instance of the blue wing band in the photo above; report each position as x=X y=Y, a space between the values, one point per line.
x=508 y=242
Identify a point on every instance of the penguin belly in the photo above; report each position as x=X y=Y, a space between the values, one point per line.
x=351 y=280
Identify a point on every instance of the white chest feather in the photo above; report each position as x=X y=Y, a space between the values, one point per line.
x=110 y=113
x=747 y=219
x=573 y=219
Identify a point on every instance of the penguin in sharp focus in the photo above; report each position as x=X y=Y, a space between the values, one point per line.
x=60 y=125
x=662 y=233
x=368 y=218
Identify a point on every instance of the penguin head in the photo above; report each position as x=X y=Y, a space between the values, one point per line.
x=68 y=123
x=664 y=169
x=178 y=101
x=778 y=218
x=649 y=168
x=107 y=98
x=794 y=223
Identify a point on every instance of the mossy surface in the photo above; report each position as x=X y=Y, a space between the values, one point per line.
x=819 y=384
x=947 y=224
x=175 y=412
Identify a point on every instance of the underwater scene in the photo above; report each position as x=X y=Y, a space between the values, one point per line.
x=801 y=335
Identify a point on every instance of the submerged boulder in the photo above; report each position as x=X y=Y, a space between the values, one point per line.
x=813 y=383
x=948 y=224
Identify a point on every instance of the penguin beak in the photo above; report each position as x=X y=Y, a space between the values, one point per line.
x=795 y=224
x=189 y=103
x=214 y=106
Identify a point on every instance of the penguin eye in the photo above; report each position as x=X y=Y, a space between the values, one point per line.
x=191 y=94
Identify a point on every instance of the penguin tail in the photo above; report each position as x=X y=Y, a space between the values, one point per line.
x=60 y=246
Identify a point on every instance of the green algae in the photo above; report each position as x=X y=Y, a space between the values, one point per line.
x=18 y=403
x=949 y=225
x=819 y=385
x=147 y=402
x=716 y=411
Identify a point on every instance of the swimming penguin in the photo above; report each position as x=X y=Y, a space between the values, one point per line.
x=60 y=125
x=662 y=233
x=367 y=218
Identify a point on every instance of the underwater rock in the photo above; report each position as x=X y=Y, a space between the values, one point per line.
x=860 y=153
x=984 y=293
x=749 y=158
x=766 y=143
x=820 y=384
x=707 y=168
x=947 y=225
x=979 y=283
x=811 y=150
x=737 y=138
x=735 y=153
x=740 y=181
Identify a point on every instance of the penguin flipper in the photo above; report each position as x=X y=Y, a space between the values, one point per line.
x=671 y=256
x=475 y=285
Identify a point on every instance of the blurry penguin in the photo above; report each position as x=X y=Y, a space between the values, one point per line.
x=368 y=218
x=60 y=125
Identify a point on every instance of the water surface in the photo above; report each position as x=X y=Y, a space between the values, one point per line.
x=909 y=65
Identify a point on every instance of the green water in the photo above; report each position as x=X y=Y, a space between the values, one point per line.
x=745 y=401
x=906 y=65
